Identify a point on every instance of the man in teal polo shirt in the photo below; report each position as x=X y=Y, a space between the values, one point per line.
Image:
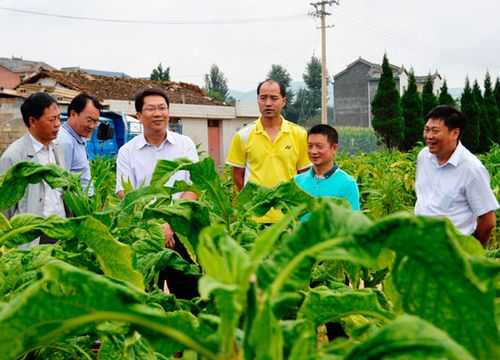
x=324 y=178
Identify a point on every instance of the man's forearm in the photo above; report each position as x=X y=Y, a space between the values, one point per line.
x=238 y=177
x=485 y=225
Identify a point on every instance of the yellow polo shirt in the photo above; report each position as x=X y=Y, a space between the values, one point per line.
x=268 y=163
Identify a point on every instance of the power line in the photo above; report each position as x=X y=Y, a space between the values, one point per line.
x=229 y=21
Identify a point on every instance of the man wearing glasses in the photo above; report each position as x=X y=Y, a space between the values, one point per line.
x=83 y=117
x=137 y=159
x=136 y=162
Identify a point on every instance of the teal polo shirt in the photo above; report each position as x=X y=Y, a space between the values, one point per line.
x=336 y=183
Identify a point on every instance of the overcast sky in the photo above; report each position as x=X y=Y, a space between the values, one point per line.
x=454 y=37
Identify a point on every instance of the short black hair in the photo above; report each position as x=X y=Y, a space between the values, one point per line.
x=327 y=130
x=35 y=105
x=452 y=118
x=139 y=97
x=80 y=101
x=282 y=87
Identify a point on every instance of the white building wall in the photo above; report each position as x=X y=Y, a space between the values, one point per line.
x=229 y=128
x=197 y=130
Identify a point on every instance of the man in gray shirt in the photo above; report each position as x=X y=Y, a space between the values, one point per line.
x=83 y=117
x=41 y=116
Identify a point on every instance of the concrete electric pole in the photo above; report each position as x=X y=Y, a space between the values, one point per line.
x=320 y=12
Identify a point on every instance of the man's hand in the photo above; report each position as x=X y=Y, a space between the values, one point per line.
x=239 y=177
x=169 y=236
x=485 y=225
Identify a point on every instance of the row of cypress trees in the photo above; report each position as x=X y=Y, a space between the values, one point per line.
x=399 y=120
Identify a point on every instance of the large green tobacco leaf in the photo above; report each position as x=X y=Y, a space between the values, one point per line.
x=15 y=180
x=300 y=340
x=152 y=256
x=226 y=265
x=24 y=228
x=325 y=235
x=257 y=200
x=187 y=219
x=409 y=338
x=266 y=337
x=323 y=305
x=440 y=281
x=19 y=269
x=115 y=258
x=67 y=299
x=205 y=181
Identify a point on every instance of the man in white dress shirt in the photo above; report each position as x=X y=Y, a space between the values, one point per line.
x=451 y=181
x=137 y=159
x=41 y=116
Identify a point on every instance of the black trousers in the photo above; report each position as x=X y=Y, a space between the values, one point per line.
x=181 y=285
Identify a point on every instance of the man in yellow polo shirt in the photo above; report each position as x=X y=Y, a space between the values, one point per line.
x=271 y=149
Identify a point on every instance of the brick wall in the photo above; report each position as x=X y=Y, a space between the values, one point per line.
x=11 y=124
x=351 y=96
x=8 y=79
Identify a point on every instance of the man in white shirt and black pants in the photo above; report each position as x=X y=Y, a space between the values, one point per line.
x=451 y=181
x=136 y=162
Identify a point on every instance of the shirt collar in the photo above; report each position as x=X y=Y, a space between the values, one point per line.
x=454 y=159
x=325 y=175
x=285 y=127
x=141 y=142
x=79 y=139
x=37 y=145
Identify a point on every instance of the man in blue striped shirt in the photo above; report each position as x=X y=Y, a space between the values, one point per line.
x=83 y=117
x=325 y=178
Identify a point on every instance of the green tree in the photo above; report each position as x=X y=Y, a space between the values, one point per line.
x=484 y=126
x=445 y=97
x=496 y=91
x=491 y=109
x=307 y=102
x=470 y=108
x=160 y=74
x=216 y=84
x=386 y=108
x=312 y=78
x=429 y=100
x=412 y=114
x=280 y=74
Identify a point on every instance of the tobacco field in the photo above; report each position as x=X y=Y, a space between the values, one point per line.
x=398 y=286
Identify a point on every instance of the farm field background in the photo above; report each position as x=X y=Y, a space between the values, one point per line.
x=398 y=285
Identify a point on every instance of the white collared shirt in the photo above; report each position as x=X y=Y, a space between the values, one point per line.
x=53 y=203
x=458 y=189
x=137 y=159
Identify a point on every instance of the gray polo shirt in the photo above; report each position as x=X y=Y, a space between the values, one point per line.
x=75 y=154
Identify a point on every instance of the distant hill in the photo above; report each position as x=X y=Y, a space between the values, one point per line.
x=251 y=95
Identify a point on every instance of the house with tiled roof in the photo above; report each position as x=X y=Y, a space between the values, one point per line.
x=209 y=122
x=354 y=89
x=13 y=70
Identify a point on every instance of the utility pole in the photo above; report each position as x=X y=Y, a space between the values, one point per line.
x=319 y=11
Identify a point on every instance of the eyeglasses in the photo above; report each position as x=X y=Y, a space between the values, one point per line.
x=152 y=109
x=93 y=122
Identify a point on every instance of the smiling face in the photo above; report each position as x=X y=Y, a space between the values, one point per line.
x=270 y=100
x=154 y=114
x=320 y=151
x=45 y=128
x=86 y=121
x=440 y=140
